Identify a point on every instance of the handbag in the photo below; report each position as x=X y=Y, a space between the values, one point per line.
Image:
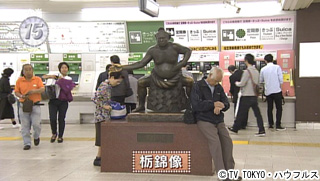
x=189 y=116
x=129 y=92
x=50 y=89
x=118 y=111
x=27 y=105
x=11 y=98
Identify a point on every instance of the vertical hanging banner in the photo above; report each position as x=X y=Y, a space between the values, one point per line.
x=265 y=33
x=201 y=36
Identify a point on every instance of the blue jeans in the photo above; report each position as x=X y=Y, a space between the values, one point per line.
x=28 y=119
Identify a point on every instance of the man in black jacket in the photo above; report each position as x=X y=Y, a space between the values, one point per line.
x=209 y=101
x=234 y=90
x=119 y=92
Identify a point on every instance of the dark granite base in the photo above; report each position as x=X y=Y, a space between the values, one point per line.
x=155 y=117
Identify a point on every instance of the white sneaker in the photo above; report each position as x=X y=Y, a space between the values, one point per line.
x=16 y=126
x=1 y=127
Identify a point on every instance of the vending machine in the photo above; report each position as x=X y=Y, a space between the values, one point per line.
x=285 y=59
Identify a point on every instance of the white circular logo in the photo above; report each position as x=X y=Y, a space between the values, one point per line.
x=34 y=31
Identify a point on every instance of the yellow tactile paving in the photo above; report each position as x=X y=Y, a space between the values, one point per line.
x=236 y=142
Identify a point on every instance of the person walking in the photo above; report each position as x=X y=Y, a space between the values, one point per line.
x=29 y=87
x=60 y=104
x=248 y=99
x=6 y=108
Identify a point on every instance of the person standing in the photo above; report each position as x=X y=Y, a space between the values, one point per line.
x=271 y=76
x=248 y=97
x=60 y=104
x=131 y=101
x=209 y=101
x=31 y=87
x=102 y=98
x=234 y=90
x=6 y=109
x=103 y=76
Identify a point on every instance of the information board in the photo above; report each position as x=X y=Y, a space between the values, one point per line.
x=268 y=33
x=87 y=37
x=199 y=35
x=10 y=41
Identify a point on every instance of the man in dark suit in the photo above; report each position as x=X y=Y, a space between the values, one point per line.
x=234 y=90
x=119 y=92
x=103 y=76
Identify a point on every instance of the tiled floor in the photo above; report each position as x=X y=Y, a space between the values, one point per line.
x=72 y=160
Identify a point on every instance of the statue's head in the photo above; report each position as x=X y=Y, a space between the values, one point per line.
x=162 y=37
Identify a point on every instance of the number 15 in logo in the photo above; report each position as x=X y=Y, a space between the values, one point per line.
x=34 y=31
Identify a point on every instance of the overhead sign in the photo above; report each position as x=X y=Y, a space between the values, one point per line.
x=268 y=33
x=199 y=35
x=88 y=37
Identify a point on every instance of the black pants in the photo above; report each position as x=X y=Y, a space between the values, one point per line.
x=55 y=106
x=245 y=103
x=119 y=99
x=130 y=107
x=235 y=101
x=277 y=98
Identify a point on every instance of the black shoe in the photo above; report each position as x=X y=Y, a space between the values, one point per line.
x=231 y=129
x=260 y=134
x=53 y=138
x=60 y=140
x=270 y=126
x=97 y=161
x=279 y=128
x=140 y=109
x=26 y=147
x=36 y=141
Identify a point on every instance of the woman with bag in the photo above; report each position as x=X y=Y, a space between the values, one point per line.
x=6 y=109
x=102 y=99
x=59 y=104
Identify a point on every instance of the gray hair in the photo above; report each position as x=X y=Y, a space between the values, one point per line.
x=214 y=70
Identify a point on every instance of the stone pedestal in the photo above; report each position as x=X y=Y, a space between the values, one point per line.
x=155 y=117
x=120 y=139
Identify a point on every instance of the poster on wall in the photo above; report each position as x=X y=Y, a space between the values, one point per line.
x=265 y=33
x=10 y=41
x=199 y=35
x=87 y=37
